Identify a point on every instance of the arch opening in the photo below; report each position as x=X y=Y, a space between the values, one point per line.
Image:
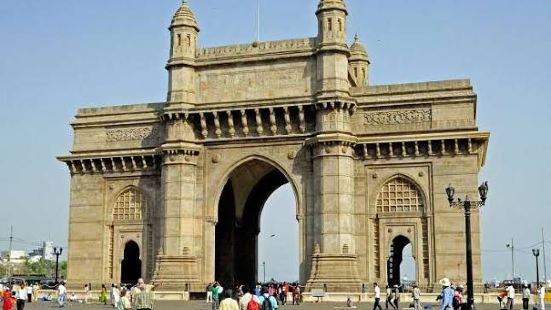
x=395 y=262
x=131 y=265
x=240 y=206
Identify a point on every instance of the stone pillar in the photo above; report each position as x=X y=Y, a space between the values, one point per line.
x=176 y=263
x=334 y=261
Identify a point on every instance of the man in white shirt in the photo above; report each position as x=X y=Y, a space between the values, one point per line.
x=541 y=297
x=510 y=297
x=21 y=297
x=246 y=298
x=377 y=291
x=61 y=292
x=416 y=296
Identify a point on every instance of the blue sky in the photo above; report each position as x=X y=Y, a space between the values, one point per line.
x=57 y=56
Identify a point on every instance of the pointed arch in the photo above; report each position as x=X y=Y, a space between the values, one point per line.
x=130 y=205
x=400 y=194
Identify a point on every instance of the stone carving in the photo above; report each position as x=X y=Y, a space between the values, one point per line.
x=131 y=134
x=398 y=117
x=258 y=48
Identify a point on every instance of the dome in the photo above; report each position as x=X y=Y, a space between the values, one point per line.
x=184 y=17
x=331 y=5
x=357 y=48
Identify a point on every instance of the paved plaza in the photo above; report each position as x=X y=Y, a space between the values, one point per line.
x=195 y=305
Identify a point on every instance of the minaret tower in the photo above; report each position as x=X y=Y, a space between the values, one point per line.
x=359 y=63
x=333 y=50
x=183 y=44
x=334 y=260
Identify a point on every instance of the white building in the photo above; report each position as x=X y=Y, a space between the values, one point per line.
x=14 y=256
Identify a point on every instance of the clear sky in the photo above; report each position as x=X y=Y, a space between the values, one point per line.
x=57 y=56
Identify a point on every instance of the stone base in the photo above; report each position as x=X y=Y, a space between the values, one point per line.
x=334 y=273
x=176 y=273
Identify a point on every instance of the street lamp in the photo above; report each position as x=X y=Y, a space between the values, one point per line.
x=264 y=271
x=57 y=252
x=536 y=253
x=467 y=205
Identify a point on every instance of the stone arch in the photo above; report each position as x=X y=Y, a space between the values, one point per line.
x=240 y=198
x=239 y=163
x=406 y=180
x=142 y=198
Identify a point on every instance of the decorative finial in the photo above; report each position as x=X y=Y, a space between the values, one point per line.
x=356 y=36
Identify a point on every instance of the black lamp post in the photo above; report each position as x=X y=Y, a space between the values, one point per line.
x=467 y=205
x=536 y=253
x=57 y=252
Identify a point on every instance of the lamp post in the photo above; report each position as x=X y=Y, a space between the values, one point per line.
x=264 y=271
x=57 y=252
x=536 y=253
x=467 y=205
x=512 y=247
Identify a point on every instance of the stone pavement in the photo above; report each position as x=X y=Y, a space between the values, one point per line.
x=194 y=305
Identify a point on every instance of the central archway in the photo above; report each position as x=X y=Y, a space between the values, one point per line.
x=240 y=205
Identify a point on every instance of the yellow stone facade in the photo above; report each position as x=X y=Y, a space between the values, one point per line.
x=172 y=191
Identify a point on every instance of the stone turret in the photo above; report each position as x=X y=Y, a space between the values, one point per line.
x=359 y=63
x=332 y=22
x=184 y=31
x=333 y=52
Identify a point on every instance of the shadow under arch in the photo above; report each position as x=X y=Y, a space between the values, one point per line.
x=131 y=265
x=244 y=191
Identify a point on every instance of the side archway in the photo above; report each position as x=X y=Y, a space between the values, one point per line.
x=131 y=265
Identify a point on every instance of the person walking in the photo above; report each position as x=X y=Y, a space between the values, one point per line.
x=143 y=299
x=217 y=289
x=124 y=302
x=29 y=289
x=377 y=291
x=209 y=293
x=248 y=301
x=267 y=301
x=396 y=296
x=416 y=296
x=541 y=296
x=389 y=300
x=7 y=298
x=103 y=295
x=21 y=296
x=510 y=296
x=525 y=296
x=61 y=294
x=229 y=303
x=446 y=296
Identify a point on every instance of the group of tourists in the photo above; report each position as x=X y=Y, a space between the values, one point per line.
x=21 y=293
x=393 y=297
x=139 y=297
x=506 y=297
x=260 y=297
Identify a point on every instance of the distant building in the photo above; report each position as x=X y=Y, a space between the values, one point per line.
x=13 y=256
x=46 y=251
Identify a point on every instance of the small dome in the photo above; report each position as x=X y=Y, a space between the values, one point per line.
x=357 y=48
x=184 y=17
x=331 y=4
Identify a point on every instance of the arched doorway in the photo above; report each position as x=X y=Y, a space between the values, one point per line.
x=395 y=260
x=239 y=208
x=131 y=265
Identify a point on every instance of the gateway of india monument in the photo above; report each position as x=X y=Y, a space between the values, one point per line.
x=173 y=191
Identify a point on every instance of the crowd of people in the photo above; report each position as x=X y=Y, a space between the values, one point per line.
x=451 y=297
x=260 y=297
x=121 y=298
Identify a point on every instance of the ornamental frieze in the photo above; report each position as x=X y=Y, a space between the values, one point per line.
x=398 y=117
x=131 y=134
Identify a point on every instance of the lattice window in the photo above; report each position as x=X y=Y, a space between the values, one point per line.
x=399 y=195
x=130 y=206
